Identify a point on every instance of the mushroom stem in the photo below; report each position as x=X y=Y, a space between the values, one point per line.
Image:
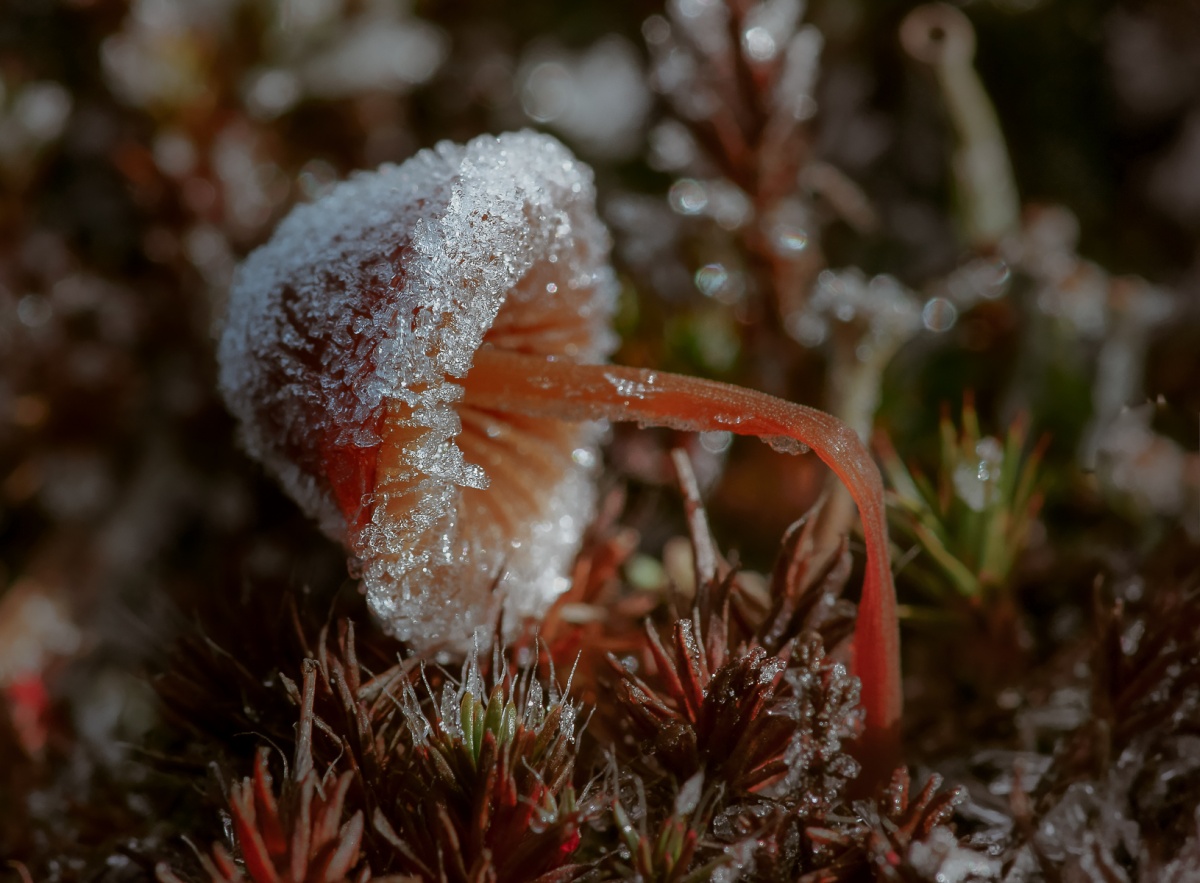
x=548 y=386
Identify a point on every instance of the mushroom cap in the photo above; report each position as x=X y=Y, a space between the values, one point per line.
x=348 y=340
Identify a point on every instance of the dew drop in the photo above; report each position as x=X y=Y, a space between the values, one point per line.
x=788 y=239
x=711 y=278
x=688 y=196
x=939 y=314
x=759 y=44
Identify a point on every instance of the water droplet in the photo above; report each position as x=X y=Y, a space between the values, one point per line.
x=991 y=278
x=939 y=314
x=688 y=196
x=976 y=483
x=759 y=44
x=552 y=287
x=711 y=279
x=788 y=239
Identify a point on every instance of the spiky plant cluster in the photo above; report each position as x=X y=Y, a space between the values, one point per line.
x=962 y=532
x=297 y=836
x=755 y=722
x=1129 y=774
x=723 y=754
x=477 y=786
x=487 y=791
x=972 y=520
x=737 y=760
x=900 y=837
x=748 y=698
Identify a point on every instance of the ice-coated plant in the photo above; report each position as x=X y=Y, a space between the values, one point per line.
x=419 y=358
x=972 y=521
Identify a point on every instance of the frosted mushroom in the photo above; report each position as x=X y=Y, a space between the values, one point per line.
x=418 y=357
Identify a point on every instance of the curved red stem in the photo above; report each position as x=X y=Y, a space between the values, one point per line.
x=556 y=387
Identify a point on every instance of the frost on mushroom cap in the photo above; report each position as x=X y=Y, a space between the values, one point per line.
x=348 y=341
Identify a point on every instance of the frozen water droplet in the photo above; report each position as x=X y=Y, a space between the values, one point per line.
x=711 y=278
x=990 y=277
x=759 y=44
x=976 y=483
x=552 y=287
x=939 y=314
x=629 y=389
x=688 y=196
x=584 y=457
x=788 y=240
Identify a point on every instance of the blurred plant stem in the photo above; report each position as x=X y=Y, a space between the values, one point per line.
x=940 y=36
x=988 y=209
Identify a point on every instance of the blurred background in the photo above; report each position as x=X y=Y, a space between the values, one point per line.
x=881 y=212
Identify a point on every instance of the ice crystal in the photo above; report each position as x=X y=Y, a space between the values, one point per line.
x=344 y=354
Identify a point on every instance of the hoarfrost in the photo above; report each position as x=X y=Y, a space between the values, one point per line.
x=940 y=857
x=346 y=352
x=889 y=311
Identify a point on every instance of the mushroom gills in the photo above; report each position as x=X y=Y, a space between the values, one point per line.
x=557 y=387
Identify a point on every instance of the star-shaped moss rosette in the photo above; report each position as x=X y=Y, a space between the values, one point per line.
x=972 y=520
x=486 y=792
x=418 y=358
